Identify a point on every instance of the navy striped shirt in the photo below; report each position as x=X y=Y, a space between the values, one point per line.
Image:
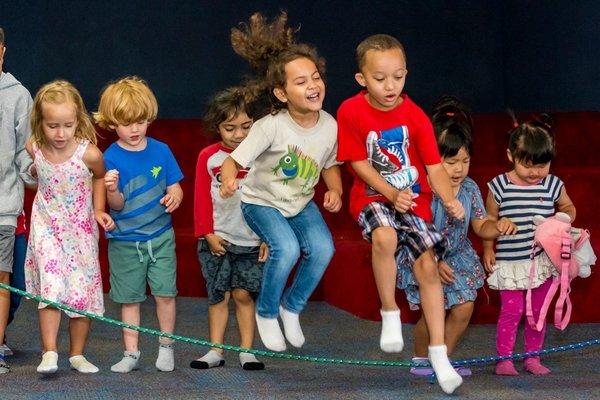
x=520 y=204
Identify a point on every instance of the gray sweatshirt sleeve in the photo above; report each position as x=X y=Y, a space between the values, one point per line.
x=23 y=132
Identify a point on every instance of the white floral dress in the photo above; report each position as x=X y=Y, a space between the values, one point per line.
x=62 y=254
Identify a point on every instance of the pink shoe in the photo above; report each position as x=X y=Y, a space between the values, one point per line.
x=506 y=368
x=535 y=367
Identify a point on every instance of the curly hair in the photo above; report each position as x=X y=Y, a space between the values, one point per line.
x=268 y=47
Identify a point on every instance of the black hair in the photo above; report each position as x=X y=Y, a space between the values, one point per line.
x=453 y=126
x=532 y=141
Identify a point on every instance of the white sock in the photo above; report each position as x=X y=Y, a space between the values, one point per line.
x=82 y=365
x=270 y=333
x=291 y=327
x=391 y=340
x=49 y=364
x=445 y=374
x=166 y=358
x=128 y=363
x=209 y=360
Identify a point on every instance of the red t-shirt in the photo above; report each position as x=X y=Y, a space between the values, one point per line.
x=398 y=144
x=21 y=226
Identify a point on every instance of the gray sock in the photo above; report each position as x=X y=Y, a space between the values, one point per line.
x=128 y=363
x=166 y=360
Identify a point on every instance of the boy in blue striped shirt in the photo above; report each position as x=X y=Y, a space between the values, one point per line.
x=143 y=190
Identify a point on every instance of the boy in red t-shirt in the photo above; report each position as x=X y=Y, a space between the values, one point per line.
x=389 y=143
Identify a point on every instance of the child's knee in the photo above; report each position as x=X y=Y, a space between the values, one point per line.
x=288 y=253
x=462 y=312
x=4 y=277
x=242 y=297
x=384 y=240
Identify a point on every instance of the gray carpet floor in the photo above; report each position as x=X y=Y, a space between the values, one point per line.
x=329 y=331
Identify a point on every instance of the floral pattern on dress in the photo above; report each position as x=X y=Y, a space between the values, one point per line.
x=62 y=253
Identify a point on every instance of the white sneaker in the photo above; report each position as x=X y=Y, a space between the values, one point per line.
x=49 y=364
x=5 y=350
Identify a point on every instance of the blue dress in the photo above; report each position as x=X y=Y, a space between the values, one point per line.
x=460 y=255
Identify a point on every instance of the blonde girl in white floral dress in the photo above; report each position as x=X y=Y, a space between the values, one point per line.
x=62 y=255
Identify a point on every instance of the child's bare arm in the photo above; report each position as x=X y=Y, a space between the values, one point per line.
x=95 y=162
x=564 y=204
x=490 y=229
x=229 y=171
x=489 y=256
x=440 y=183
x=333 y=180
x=371 y=177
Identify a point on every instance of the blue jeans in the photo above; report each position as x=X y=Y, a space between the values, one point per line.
x=17 y=278
x=287 y=238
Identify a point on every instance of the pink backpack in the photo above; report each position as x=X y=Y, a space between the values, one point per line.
x=570 y=252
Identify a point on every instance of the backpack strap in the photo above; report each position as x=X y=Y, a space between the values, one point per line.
x=565 y=288
x=541 y=320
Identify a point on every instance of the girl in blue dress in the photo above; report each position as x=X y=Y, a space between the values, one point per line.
x=460 y=269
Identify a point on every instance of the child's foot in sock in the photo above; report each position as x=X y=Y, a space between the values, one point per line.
x=422 y=367
x=49 y=364
x=391 y=340
x=534 y=366
x=291 y=327
x=128 y=363
x=211 y=359
x=82 y=365
x=250 y=363
x=165 y=361
x=446 y=375
x=506 y=368
x=270 y=333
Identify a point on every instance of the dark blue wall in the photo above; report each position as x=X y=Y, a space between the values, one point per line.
x=492 y=54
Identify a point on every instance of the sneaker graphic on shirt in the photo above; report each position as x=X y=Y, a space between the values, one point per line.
x=388 y=154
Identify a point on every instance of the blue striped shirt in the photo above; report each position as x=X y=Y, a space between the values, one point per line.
x=520 y=204
x=143 y=179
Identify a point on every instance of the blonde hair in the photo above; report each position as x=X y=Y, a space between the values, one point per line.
x=126 y=101
x=60 y=92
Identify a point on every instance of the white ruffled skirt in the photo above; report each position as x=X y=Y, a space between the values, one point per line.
x=514 y=275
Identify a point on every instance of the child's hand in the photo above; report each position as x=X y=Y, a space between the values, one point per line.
x=216 y=244
x=111 y=180
x=455 y=209
x=228 y=188
x=506 y=227
x=446 y=273
x=263 y=253
x=105 y=220
x=332 y=201
x=404 y=201
x=489 y=260
x=170 y=201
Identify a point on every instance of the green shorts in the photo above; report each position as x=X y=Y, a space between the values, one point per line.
x=132 y=264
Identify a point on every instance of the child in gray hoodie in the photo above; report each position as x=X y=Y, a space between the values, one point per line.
x=15 y=107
